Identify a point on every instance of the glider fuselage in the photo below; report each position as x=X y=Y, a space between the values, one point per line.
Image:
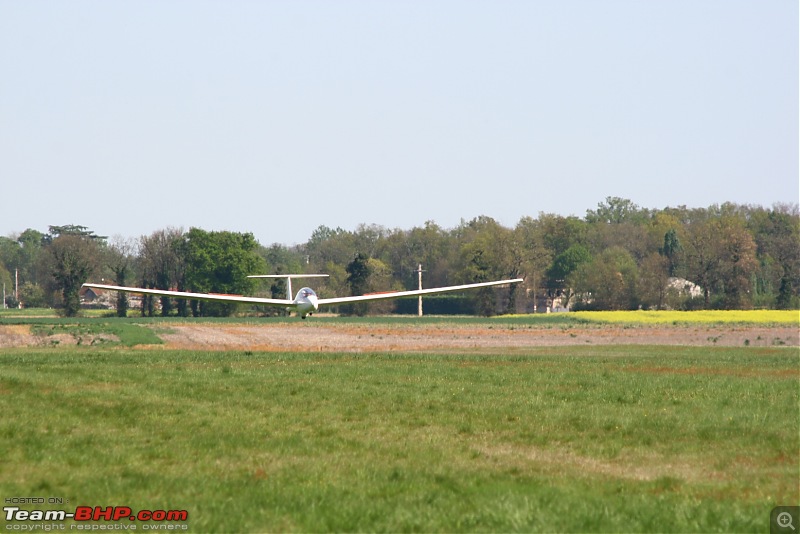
x=306 y=302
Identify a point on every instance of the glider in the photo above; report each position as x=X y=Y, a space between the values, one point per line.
x=306 y=302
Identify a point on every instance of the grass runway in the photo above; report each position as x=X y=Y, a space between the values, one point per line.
x=612 y=438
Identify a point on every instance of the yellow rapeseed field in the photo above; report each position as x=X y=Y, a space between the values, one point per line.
x=702 y=316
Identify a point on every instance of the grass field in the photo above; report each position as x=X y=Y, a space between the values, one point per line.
x=616 y=438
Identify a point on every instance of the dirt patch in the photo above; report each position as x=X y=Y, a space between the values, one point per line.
x=643 y=468
x=18 y=335
x=445 y=338
x=307 y=336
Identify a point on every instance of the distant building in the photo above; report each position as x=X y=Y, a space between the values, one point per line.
x=684 y=287
x=90 y=294
x=96 y=298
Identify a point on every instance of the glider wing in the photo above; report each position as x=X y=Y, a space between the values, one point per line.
x=413 y=293
x=212 y=297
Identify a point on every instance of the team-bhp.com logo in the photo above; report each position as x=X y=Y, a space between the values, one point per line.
x=93 y=514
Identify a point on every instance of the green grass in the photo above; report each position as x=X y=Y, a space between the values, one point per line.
x=51 y=312
x=561 y=439
x=94 y=331
x=28 y=312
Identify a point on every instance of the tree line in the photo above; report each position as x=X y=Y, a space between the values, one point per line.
x=618 y=256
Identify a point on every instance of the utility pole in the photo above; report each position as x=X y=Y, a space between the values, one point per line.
x=419 y=272
x=16 y=287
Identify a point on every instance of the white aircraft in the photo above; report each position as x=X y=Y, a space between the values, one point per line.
x=305 y=303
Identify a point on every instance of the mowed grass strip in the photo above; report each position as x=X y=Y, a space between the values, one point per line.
x=563 y=439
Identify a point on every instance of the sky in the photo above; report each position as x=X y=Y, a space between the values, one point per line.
x=278 y=117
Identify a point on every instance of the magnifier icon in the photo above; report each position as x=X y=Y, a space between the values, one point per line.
x=784 y=520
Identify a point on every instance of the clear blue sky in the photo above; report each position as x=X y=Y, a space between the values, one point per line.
x=278 y=117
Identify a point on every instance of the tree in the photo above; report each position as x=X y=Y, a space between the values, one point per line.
x=282 y=259
x=653 y=288
x=119 y=257
x=330 y=246
x=608 y=281
x=721 y=258
x=404 y=250
x=671 y=250
x=162 y=265
x=737 y=264
x=32 y=295
x=56 y=231
x=368 y=239
x=8 y=285
x=477 y=269
x=22 y=256
x=566 y=263
x=701 y=258
x=777 y=236
x=219 y=262
x=560 y=233
x=535 y=258
x=72 y=261
x=381 y=279
x=616 y=210
x=488 y=251
x=358 y=279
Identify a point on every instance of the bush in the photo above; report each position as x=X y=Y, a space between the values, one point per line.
x=32 y=295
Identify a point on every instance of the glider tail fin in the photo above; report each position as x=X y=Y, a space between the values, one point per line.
x=288 y=280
